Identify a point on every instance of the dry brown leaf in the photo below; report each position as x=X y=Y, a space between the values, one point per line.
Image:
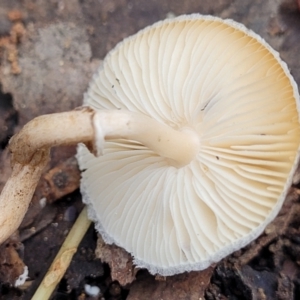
x=119 y=261
x=186 y=286
x=15 y=15
x=11 y=265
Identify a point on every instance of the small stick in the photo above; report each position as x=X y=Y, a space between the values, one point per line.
x=63 y=257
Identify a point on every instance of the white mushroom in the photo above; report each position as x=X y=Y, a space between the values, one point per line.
x=198 y=123
x=223 y=85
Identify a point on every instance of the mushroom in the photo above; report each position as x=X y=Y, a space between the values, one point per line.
x=197 y=120
x=221 y=84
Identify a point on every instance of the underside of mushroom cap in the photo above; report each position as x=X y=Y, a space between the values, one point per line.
x=224 y=82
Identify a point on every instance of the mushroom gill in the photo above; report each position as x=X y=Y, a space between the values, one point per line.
x=214 y=78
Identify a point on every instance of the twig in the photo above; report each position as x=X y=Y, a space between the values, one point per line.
x=63 y=258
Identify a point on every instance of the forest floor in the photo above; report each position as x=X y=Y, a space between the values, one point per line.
x=49 y=50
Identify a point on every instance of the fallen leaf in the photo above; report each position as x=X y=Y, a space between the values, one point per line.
x=119 y=261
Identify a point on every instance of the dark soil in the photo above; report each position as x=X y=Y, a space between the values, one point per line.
x=49 y=50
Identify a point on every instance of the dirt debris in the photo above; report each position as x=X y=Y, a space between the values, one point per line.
x=8 y=119
x=15 y=15
x=57 y=54
x=61 y=180
x=11 y=263
x=119 y=261
x=56 y=64
x=186 y=286
x=9 y=42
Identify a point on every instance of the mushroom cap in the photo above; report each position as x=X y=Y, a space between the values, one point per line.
x=227 y=84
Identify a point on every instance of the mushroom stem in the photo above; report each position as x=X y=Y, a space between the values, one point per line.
x=17 y=193
x=180 y=146
x=30 y=154
x=52 y=130
x=30 y=149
